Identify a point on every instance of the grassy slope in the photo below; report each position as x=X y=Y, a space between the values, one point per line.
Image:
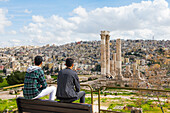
x=4 y=83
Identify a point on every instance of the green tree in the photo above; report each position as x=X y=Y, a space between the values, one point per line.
x=1 y=80
x=98 y=67
x=16 y=78
x=56 y=70
x=4 y=71
x=161 y=51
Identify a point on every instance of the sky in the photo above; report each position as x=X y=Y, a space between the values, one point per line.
x=41 y=22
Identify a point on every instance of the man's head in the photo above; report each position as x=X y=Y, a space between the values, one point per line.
x=38 y=60
x=69 y=62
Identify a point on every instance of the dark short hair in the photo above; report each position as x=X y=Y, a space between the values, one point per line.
x=69 y=62
x=38 y=60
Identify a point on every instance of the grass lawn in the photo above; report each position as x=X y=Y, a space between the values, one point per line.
x=54 y=77
x=4 y=84
x=148 y=107
x=7 y=104
x=1 y=71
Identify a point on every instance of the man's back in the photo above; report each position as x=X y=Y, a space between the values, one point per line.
x=67 y=84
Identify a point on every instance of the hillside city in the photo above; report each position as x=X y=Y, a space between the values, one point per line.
x=145 y=64
x=146 y=53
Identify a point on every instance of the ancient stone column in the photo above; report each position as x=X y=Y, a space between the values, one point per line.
x=114 y=61
x=113 y=66
x=138 y=74
x=103 y=55
x=107 y=54
x=118 y=59
x=134 y=69
x=126 y=60
x=128 y=73
x=127 y=68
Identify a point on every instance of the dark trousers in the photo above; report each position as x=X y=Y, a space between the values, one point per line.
x=81 y=96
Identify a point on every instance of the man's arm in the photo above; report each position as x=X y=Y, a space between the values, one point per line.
x=76 y=83
x=42 y=80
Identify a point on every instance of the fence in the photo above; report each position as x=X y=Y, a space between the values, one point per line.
x=20 y=85
x=99 y=89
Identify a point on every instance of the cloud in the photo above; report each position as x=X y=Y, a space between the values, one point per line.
x=4 y=22
x=13 y=32
x=4 y=0
x=50 y=30
x=38 y=19
x=27 y=11
x=135 y=21
x=10 y=43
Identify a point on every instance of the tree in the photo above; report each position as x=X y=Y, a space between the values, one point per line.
x=98 y=67
x=4 y=71
x=16 y=78
x=51 y=70
x=56 y=70
x=1 y=80
x=161 y=51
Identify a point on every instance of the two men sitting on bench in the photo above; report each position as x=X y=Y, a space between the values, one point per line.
x=68 y=86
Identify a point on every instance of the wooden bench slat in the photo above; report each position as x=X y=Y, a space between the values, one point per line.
x=51 y=109
x=54 y=103
x=34 y=111
x=46 y=106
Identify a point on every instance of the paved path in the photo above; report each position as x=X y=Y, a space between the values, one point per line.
x=6 y=95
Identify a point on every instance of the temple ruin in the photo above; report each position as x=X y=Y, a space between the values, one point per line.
x=112 y=69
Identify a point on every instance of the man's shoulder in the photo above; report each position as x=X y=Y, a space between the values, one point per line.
x=67 y=71
x=39 y=71
x=35 y=69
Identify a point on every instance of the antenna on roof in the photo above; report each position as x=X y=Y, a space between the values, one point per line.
x=153 y=37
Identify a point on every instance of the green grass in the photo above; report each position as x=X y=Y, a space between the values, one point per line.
x=4 y=84
x=54 y=77
x=147 y=106
x=1 y=71
x=167 y=88
x=87 y=101
x=103 y=99
x=7 y=104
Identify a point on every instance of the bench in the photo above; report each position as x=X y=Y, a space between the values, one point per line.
x=47 y=106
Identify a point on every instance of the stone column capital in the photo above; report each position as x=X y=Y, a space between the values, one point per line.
x=107 y=37
x=102 y=36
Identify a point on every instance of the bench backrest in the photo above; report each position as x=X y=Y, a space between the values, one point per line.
x=46 y=106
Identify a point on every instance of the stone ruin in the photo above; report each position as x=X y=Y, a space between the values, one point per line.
x=111 y=70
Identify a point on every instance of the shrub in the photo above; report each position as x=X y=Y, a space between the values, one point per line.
x=4 y=83
x=1 y=80
x=146 y=107
x=16 y=78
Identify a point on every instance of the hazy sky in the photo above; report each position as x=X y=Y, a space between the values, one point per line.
x=40 y=22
